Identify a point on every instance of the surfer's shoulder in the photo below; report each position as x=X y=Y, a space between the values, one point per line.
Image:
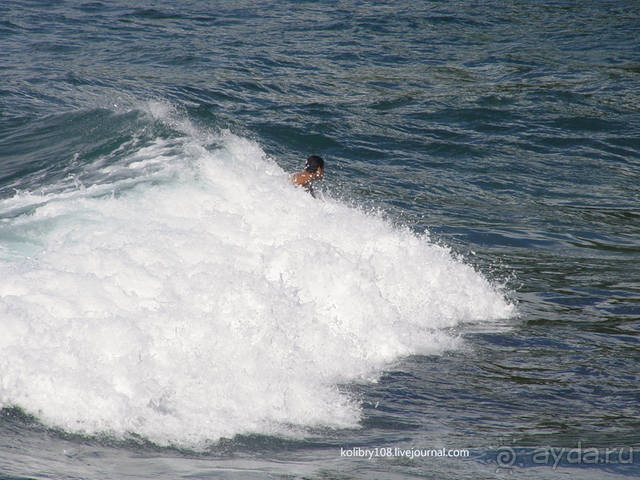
x=301 y=179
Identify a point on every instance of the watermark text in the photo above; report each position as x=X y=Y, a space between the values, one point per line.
x=370 y=453
x=554 y=457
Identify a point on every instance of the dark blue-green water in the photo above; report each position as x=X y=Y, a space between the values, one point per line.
x=468 y=276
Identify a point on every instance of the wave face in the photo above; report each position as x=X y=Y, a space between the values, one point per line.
x=177 y=287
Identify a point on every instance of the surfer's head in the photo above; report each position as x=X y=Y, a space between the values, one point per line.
x=314 y=162
x=315 y=165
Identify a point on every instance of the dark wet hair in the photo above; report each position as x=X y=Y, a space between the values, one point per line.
x=314 y=162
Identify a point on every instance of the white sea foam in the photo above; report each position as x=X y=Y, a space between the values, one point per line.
x=214 y=299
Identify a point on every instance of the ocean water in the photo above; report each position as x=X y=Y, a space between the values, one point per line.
x=461 y=300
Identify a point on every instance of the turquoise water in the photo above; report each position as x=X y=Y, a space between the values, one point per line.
x=468 y=278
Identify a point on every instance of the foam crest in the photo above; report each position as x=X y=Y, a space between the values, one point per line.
x=215 y=300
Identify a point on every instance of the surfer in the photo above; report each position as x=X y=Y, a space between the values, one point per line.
x=314 y=170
